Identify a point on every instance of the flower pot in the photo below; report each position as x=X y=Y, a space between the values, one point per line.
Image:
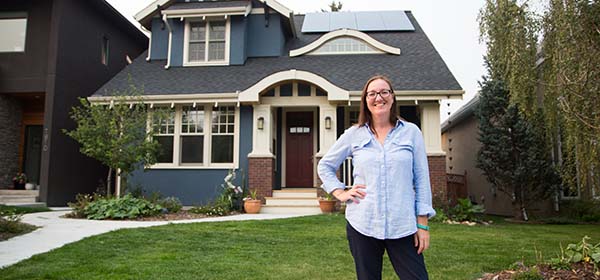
x=327 y=206
x=19 y=186
x=252 y=206
x=29 y=186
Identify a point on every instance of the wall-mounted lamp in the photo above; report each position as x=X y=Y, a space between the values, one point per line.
x=327 y=122
x=260 y=124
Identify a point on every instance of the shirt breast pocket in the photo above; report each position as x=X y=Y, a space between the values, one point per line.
x=401 y=151
x=362 y=153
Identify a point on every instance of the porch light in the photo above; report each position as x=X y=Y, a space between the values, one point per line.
x=260 y=123
x=327 y=122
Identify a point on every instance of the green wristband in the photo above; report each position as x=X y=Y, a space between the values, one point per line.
x=423 y=227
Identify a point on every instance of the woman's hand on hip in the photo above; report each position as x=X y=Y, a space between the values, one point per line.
x=421 y=240
x=352 y=194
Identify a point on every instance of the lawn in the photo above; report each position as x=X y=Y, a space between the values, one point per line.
x=300 y=248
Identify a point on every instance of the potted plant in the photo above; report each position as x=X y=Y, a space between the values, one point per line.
x=19 y=181
x=251 y=203
x=327 y=203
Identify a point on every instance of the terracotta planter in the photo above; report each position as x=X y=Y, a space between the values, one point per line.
x=252 y=206
x=327 y=206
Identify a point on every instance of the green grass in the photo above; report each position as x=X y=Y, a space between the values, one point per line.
x=24 y=210
x=299 y=248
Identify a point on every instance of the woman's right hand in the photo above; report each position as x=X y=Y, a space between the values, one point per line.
x=352 y=194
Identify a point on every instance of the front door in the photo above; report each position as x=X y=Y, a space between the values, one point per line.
x=299 y=149
x=32 y=156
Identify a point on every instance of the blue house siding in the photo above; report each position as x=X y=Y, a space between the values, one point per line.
x=237 y=53
x=178 y=28
x=264 y=40
x=197 y=186
x=160 y=40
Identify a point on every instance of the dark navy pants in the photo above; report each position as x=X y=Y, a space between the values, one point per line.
x=368 y=256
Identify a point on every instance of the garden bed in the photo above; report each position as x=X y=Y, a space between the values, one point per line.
x=577 y=271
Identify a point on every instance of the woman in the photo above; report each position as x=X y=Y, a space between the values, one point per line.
x=388 y=207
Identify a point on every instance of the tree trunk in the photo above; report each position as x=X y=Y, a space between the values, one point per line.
x=108 y=182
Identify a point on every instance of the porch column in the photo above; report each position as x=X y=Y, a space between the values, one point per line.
x=327 y=136
x=430 y=126
x=261 y=161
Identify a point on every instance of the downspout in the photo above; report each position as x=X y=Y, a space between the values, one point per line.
x=166 y=21
x=149 y=42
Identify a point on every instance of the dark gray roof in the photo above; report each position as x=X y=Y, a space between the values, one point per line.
x=419 y=67
x=208 y=5
x=461 y=114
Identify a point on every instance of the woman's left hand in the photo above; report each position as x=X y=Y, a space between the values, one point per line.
x=421 y=240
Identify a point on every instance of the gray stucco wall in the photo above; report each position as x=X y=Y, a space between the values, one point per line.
x=265 y=40
x=10 y=125
x=160 y=40
x=197 y=186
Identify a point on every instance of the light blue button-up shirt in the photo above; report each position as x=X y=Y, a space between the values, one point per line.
x=395 y=175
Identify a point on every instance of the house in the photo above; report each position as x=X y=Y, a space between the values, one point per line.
x=256 y=88
x=51 y=53
x=460 y=142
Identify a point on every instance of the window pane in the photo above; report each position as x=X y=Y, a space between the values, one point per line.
x=222 y=149
x=192 y=149
x=166 y=149
x=192 y=119
x=303 y=89
x=196 y=52
x=217 y=30
x=216 y=51
x=198 y=31
x=12 y=32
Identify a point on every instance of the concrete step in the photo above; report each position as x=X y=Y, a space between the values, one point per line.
x=19 y=192
x=291 y=201
x=27 y=204
x=296 y=193
x=17 y=199
x=309 y=210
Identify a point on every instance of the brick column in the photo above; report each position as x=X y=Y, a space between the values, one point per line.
x=261 y=175
x=437 y=176
x=10 y=129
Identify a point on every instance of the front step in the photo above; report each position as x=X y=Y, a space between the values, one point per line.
x=292 y=201
x=18 y=196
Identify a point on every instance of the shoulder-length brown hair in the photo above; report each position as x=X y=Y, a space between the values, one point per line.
x=365 y=116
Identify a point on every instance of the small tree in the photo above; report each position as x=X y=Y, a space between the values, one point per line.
x=514 y=156
x=115 y=134
x=334 y=7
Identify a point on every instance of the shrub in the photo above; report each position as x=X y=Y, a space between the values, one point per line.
x=126 y=207
x=530 y=274
x=582 y=210
x=81 y=202
x=465 y=211
x=172 y=204
x=440 y=216
x=10 y=224
x=583 y=251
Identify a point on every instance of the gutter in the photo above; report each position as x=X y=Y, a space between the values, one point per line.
x=166 y=21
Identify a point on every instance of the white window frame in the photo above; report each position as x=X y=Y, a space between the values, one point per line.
x=186 y=42
x=206 y=161
x=368 y=48
x=16 y=16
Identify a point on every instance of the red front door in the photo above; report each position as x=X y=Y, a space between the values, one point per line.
x=299 y=150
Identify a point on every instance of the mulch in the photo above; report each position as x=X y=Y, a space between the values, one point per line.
x=181 y=215
x=578 y=271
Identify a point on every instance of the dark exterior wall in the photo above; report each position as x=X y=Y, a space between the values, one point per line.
x=10 y=126
x=178 y=28
x=26 y=71
x=160 y=40
x=237 y=50
x=75 y=63
x=265 y=40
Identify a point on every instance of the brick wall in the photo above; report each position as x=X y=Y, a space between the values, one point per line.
x=10 y=134
x=437 y=176
x=261 y=176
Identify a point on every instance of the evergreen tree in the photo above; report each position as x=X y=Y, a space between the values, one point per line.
x=514 y=156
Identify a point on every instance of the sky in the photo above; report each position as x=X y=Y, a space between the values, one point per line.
x=451 y=26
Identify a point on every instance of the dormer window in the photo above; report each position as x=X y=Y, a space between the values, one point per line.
x=345 y=45
x=206 y=42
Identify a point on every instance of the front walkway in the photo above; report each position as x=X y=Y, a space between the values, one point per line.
x=54 y=232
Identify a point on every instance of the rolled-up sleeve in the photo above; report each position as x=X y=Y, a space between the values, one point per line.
x=421 y=181
x=330 y=163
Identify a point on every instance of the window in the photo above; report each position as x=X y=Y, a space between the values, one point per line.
x=165 y=131
x=104 y=55
x=13 y=29
x=207 y=42
x=201 y=136
x=345 y=45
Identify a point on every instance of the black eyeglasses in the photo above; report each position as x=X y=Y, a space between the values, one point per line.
x=383 y=93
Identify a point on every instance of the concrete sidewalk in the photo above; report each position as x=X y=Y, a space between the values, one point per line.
x=54 y=231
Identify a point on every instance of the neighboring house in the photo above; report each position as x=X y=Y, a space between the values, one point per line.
x=51 y=53
x=460 y=141
x=254 y=87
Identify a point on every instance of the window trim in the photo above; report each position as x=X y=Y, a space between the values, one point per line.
x=186 y=42
x=206 y=161
x=13 y=16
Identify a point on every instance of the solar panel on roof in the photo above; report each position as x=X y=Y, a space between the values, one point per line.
x=362 y=21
